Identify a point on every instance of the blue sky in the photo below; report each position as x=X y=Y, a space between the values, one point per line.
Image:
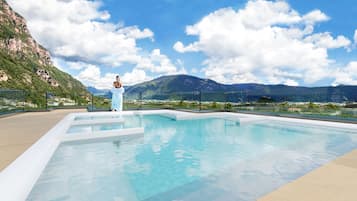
x=306 y=43
x=168 y=20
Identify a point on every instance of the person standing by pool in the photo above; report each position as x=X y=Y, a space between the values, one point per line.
x=117 y=95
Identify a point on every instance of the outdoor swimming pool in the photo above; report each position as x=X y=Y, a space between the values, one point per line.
x=196 y=159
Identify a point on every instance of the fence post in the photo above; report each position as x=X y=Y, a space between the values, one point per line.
x=200 y=93
x=92 y=102
x=225 y=102
x=23 y=99
x=140 y=100
x=46 y=100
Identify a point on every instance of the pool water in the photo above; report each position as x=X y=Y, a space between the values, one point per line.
x=88 y=117
x=205 y=159
x=131 y=121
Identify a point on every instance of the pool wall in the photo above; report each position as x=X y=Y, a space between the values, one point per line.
x=17 y=180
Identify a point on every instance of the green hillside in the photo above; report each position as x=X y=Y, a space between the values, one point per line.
x=21 y=58
x=187 y=87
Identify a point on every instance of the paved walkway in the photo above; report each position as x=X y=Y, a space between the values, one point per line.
x=335 y=181
x=18 y=132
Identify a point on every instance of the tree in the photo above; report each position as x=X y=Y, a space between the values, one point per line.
x=228 y=106
x=214 y=105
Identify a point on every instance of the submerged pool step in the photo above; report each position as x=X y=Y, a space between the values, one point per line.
x=241 y=120
x=97 y=121
x=103 y=134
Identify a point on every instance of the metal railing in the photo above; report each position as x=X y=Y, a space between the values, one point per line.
x=238 y=101
x=12 y=101
x=196 y=101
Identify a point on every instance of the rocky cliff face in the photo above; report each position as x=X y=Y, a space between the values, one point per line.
x=18 y=40
x=25 y=64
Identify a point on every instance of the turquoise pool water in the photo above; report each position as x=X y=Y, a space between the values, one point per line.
x=129 y=122
x=80 y=118
x=207 y=159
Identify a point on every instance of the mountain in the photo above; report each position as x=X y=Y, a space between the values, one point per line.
x=105 y=93
x=175 y=83
x=96 y=91
x=26 y=65
x=187 y=87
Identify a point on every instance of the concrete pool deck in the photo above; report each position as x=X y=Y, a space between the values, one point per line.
x=20 y=131
x=335 y=181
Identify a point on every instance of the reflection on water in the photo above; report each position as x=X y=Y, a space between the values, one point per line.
x=207 y=159
x=117 y=143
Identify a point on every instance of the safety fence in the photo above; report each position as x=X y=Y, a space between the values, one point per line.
x=196 y=101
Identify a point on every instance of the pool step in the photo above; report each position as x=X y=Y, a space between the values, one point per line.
x=240 y=119
x=98 y=121
x=95 y=135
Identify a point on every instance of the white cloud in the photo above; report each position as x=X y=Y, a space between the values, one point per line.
x=355 y=36
x=135 y=77
x=58 y=63
x=194 y=70
x=290 y=82
x=135 y=32
x=315 y=16
x=178 y=46
x=77 y=65
x=325 y=40
x=346 y=75
x=157 y=63
x=79 y=30
x=91 y=76
x=266 y=42
x=259 y=14
x=80 y=36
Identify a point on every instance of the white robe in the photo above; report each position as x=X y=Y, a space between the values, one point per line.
x=117 y=98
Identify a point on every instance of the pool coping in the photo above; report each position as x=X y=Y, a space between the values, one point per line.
x=17 y=180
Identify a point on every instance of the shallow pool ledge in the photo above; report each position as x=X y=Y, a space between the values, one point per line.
x=334 y=181
x=103 y=135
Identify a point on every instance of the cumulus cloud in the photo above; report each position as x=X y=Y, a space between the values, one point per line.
x=266 y=42
x=80 y=36
x=290 y=82
x=92 y=76
x=135 y=77
x=346 y=75
x=194 y=70
x=315 y=16
x=79 y=30
x=157 y=63
x=355 y=36
x=178 y=46
x=325 y=40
